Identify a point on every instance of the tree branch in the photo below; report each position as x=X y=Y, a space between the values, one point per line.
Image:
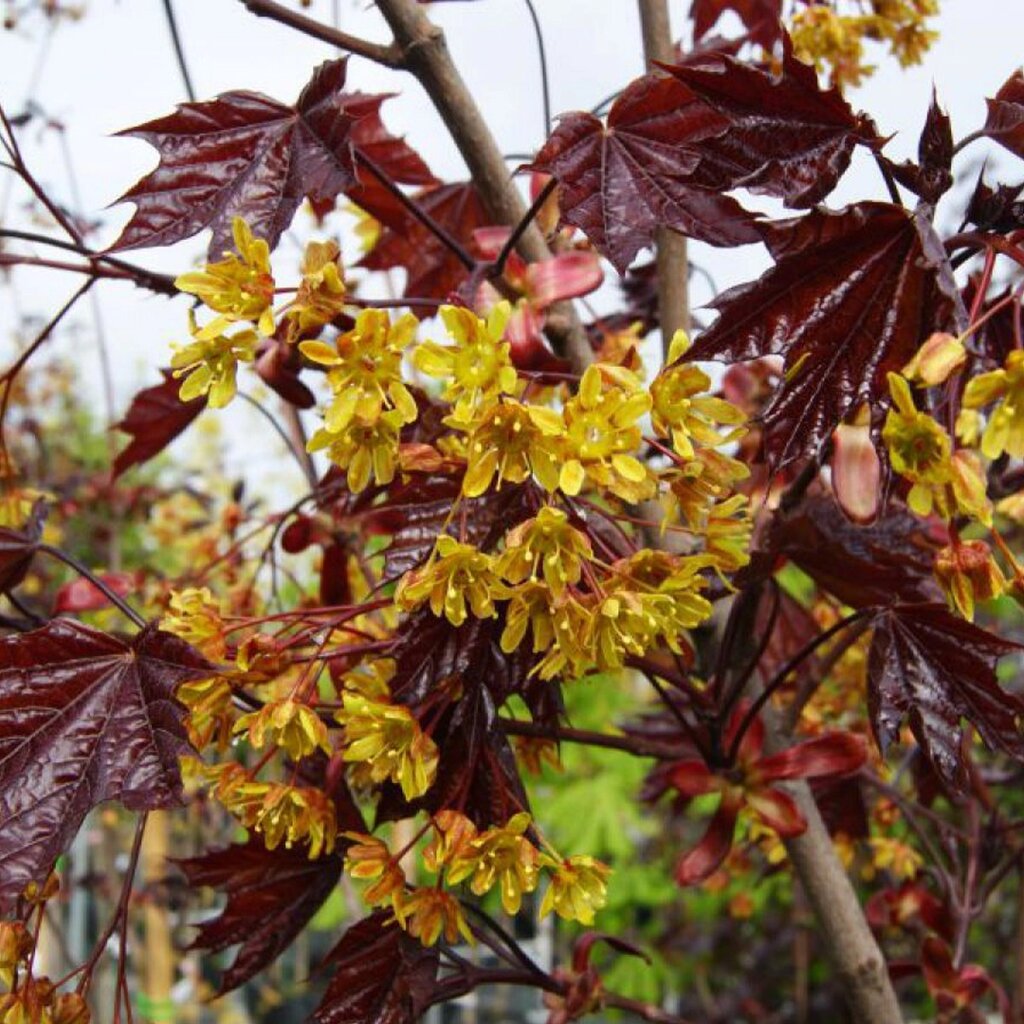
x=673 y=260
x=389 y=56
x=426 y=56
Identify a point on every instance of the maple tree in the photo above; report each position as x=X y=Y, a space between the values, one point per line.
x=540 y=583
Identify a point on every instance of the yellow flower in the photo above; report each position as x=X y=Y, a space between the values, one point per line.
x=365 y=451
x=456 y=573
x=548 y=544
x=15 y=946
x=477 y=368
x=727 y=533
x=293 y=726
x=321 y=295
x=500 y=856
x=239 y=287
x=210 y=710
x=892 y=855
x=919 y=448
x=453 y=832
x=602 y=429
x=936 y=360
x=515 y=442
x=369 y=859
x=210 y=364
x=292 y=814
x=388 y=739
x=427 y=914
x=682 y=410
x=365 y=370
x=195 y=616
x=1005 y=429
x=695 y=486
x=577 y=889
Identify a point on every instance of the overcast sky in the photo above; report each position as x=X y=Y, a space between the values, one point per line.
x=116 y=68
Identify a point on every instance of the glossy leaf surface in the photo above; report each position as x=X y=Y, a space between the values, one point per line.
x=84 y=717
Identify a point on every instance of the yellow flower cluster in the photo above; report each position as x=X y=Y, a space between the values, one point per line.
x=501 y=857
x=826 y=36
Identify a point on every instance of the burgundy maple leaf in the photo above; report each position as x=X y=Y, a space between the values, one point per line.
x=761 y=18
x=154 y=419
x=785 y=136
x=246 y=155
x=271 y=896
x=381 y=976
x=84 y=717
x=852 y=296
x=1005 y=121
x=618 y=183
x=18 y=546
x=932 y=668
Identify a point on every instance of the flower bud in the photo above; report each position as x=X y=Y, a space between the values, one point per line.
x=967 y=572
x=936 y=360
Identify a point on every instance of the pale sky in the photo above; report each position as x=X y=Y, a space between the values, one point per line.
x=116 y=68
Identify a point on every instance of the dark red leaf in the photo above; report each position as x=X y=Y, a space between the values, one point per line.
x=931 y=177
x=778 y=811
x=932 y=668
x=154 y=419
x=381 y=976
x=84 y=717
x=618 y=184
x=432 y=270
x=998 y=209
x=245 y=155
x=271 y=895
x=82 y=595
x=761 y=18
x=18 y=547
x=852 y=296
x=459 y=676
x=832 y=754
x=707 y=856
x=1005 y=121
x=890 y=560
x=785 y=135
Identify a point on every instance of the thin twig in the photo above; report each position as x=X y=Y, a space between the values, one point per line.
x=390 y=56
x=498 y=267
x=542 y=56
x=179 y=51
x=114 y=598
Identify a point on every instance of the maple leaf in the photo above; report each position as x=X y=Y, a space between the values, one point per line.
x=761 y=18
x=415 y=512
x=381 y=976
x=271 y=896
x=84 y=717
x=617 y=184
x=851 y=297
x=433 y=271
x=247 y=155
x=931 y=177
x=155 y=418
x=934 y=669
x=785 y=136
x=1005 y=121
x=889 y=560
x=18 y=546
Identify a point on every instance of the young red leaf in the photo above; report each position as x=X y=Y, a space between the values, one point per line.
x=931 y=177
x=244 y=155
x=778 y=811
x=785 y=135
x=850 y=298
x=693 y=778
x=832 y=754
x=18 y=547
x=1005 y=121
x=271 y=896
x=890 y=560
x=432 y=270
x=932 y=668
x=84 y=717
x=618 y=184
x=761 y=18
x=382 y=976
x=707 y=856
x=154 y=419
x=82 y=595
